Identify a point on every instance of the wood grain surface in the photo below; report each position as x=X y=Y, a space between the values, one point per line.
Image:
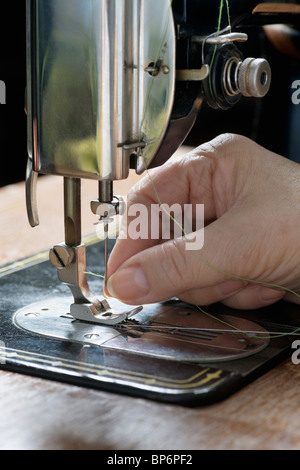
x=279 y=7
x=40 y=415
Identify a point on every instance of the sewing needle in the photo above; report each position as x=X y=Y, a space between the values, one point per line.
x=105 y=253
x=105 y=198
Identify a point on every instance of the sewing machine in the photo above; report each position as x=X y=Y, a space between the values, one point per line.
x=112 y=87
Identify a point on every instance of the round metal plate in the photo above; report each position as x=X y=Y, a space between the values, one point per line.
x=171 y=331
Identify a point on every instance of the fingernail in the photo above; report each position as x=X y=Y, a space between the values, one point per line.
x=127 y=284
x=106 y=294
x=268 y=295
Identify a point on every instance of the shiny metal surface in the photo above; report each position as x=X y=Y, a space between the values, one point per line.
x=89 y=94
x=166 y=331
x=105 y=196
x=251 y=77
x=31 y=199
x=226 y=38
x=193 y=74
x=254 y=77
x=70 y=260
x=71 y=270
x=61 y=256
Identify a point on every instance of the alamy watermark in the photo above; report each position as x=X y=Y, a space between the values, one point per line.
x=2 y=92
x=296 y=92
x=2 y=352
x=296 y=354
x=156 y=222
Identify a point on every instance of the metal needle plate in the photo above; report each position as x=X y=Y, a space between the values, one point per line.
x=170 y=331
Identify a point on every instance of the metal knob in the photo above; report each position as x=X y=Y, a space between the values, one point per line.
x=61 y=256
x=251 y=77
x=254 y=77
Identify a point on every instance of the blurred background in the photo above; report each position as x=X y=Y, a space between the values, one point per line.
x=13 y=152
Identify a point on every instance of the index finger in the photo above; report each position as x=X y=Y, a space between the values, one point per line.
x=181 y=181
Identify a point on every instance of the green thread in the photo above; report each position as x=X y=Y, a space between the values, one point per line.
x=228 y=13
x=218 y=31
x=93 y=274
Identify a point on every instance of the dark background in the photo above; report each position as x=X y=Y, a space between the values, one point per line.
x=13 y=73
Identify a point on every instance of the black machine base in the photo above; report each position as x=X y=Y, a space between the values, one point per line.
x=170 y=352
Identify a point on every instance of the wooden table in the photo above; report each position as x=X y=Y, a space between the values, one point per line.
x=41 y=414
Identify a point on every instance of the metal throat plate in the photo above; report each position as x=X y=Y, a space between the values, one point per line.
x=171 y=331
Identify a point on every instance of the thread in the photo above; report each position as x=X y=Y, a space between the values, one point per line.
x=221 y=8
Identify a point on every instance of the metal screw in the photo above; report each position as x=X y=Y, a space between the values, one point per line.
x=165 y=69
x=155 y=68
x=61 y=256
x=91 y=336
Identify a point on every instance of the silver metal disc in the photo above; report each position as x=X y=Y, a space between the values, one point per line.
x=171 y=331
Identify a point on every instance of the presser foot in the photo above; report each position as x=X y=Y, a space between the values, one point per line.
x=109 y=314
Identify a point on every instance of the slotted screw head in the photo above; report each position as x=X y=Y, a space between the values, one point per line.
x=61 y=256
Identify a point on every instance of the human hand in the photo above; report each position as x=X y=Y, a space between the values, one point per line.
x=252 y=226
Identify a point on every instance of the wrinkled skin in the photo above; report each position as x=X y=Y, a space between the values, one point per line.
x=252 y=230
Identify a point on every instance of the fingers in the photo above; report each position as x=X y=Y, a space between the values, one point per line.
x=214 y=294
x=175 y=185
x=235 y=294
x=168 y=269
x=253 y=297
x=148 y=270
x=208 y=176
x=185 y=180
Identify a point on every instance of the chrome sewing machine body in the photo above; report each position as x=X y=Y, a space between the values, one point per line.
x=114 y=86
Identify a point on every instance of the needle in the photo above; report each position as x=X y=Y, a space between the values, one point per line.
x=105 y=254
x=105 y=198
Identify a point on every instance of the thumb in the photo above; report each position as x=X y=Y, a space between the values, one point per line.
x=162 y=272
